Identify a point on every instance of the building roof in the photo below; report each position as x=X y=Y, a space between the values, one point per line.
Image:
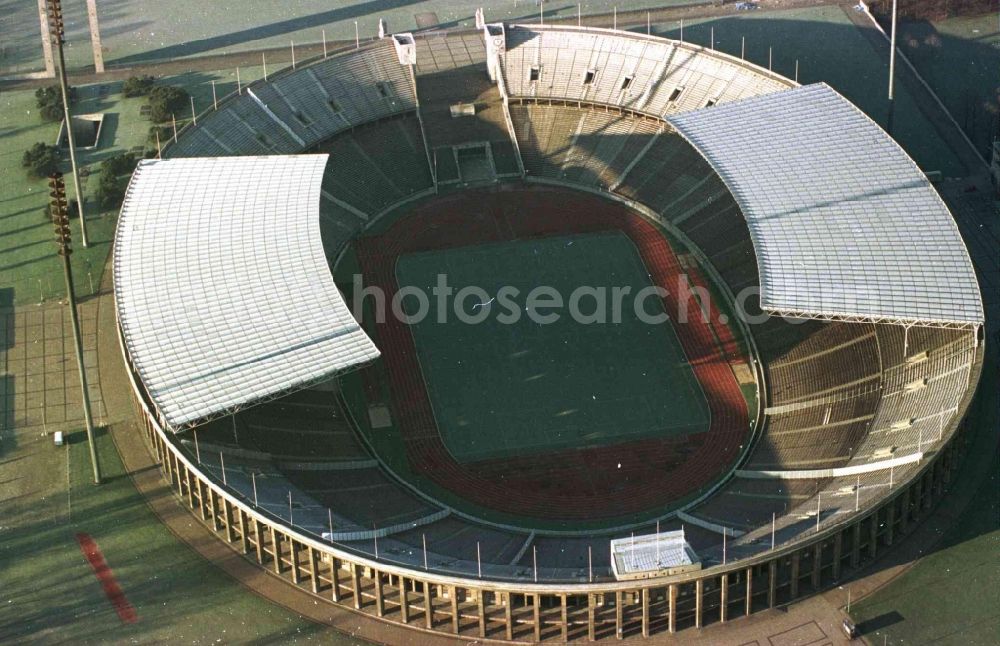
x=223 y=292
x=844 y=224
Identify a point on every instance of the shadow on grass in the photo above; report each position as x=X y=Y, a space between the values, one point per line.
x=51 y=592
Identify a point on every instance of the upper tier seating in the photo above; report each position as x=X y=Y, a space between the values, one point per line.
x=649 y=75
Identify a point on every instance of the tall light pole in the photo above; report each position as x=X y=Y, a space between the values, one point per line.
x=58 y=33
x=60 y=220
x=892 y=52
x=892 y=70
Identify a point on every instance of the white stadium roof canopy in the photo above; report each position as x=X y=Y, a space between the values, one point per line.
x=223 y=292
x=844 y=224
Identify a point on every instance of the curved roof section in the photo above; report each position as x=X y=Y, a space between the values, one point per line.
x=844 y=223
x=223 y=292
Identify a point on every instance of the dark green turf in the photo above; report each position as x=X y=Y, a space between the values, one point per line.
x=502 y=390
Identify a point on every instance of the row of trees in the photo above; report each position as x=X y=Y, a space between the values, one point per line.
x=50 y=103
x=165 y=101
x=42 y=159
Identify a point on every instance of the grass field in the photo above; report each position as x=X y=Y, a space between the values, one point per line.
x=952 y=595
x=29 y=267
x=51 y=595
x=960 y=59
x=552 y=386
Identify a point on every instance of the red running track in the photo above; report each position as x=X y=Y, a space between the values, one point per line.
x=107 y=579
x=569 y=484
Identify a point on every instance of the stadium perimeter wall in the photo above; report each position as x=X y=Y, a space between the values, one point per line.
x=538 y=611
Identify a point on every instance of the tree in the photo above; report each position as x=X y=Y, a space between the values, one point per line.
x=41 y=160
x=164 y=132
x=166 y=101
x=138 y=85
x=115 y=173
x=50 y=104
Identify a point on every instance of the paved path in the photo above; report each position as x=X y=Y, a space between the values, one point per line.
x=278 y=58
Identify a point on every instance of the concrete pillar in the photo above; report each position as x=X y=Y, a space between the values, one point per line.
x=564 y=618
x=356 y=585
x=453 y=593
x=293 y=555
x=213 y=510
x=817 y=565
x=227 y=514
x=873 y=535
x=890 y=521
x=481 y=602
x=838 y=554
x=672 y=608
x=793 y=591
x=43 y=17
x=904 y=510
x=619 y=614
x=772 y=583
x=379 y=594
x=189 y=481
x=645 y=612
x=509 y=615
x=538 y=617
x=203 y=504
x=244 y=535
x=723 y=597
x=404 y=600
x=749 y=600
x=856 y=545
x=334 y=579
x=314 y=569
x=276 y=549
x=258 y=535
x=95 y=36
x=428 y=605
x=181 y=483
x=591 y=628
x=699 y=590
x=928 y=494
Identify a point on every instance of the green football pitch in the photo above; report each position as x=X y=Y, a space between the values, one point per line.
x=500 y=389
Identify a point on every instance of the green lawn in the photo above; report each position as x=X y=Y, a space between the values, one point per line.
x=828 y=47
x=960 y=59
x=952 y=595
x=51 y=595
x=30 y=270
x=565 y=384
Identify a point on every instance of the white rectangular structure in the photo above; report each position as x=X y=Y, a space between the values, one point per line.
x=844 y=224
x=650 y=555
x=223 y=292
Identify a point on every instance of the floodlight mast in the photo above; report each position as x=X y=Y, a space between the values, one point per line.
x=59 y=209
x=57 y=32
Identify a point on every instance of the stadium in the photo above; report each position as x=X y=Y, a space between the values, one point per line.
x=797 y=406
